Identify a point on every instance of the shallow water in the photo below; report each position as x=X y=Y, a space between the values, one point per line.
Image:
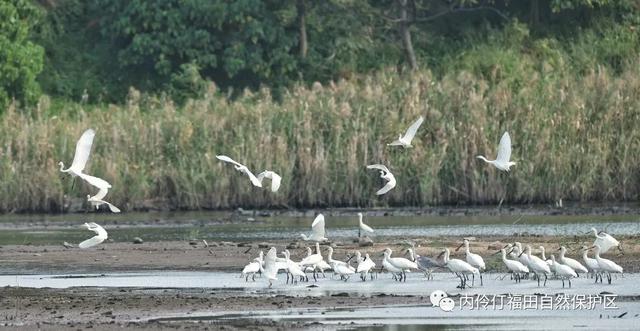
x=46 y=229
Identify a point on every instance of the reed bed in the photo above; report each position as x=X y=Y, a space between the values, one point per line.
x=574 y=138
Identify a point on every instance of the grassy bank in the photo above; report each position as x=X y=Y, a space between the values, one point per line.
x=575 y=138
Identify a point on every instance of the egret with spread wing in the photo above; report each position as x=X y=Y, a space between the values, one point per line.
x=101 y=235
x=504 y=154
x=386 y=175
x=275 y=179
x=242 y=168
x=405 y=141
x=83 y=150
x=317 y=230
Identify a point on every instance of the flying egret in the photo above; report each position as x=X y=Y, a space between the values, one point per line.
x=386 y=175
x=275 y=179
x=514 y=266
x=504 y=154
x=401 y=263
x=270 y=268
x=363 y=227
x=573 y=264
x=473 y=259
x=563 y=271
x=101 y=235
x=83 y=150
x=536 y=265
x=592 y=264
x=405 y=141
x=365 y=265
x=605 y=241
x=317 y=230
x=425 y=263
x=459 y=267
x=242 y=168
x=293 y=268
x=605 y=265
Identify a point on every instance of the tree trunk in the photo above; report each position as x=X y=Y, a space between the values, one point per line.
x=406 y=35
x=302 y=12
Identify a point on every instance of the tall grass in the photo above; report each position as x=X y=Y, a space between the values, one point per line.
x=574 y=137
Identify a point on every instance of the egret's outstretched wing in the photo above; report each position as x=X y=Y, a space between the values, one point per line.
x=95 y=181
x=317 y=227
x=275 y=179
x=504 y=149
x=270 y=267
x=411 y=131
x=254 y=180
x=101 y=194
x=95 y=240
x=605 y=245
x=379 y=167
x=396 y=143
x=228 y=159
x=113 y=208
x=390 y=185
x=83 y=150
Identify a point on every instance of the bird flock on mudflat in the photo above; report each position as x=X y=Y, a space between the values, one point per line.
x=519 y=260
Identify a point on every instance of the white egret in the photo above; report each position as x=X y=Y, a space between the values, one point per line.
x=274 y=177
x=605 y=265
x=514 y=266
x=387 y=265
x=504 y=154
x=544 y=257
x=592 y=264
x=312 y=261
x=251 y=269
x=401 y=263
x=573 y=264
x=83 y=150
x=344 y=271
x=537 y=266
x=386 y=175
x=270 y=268
x=523 y=258
x=363 y=227
x=242 y=168
x=563 y=271
x=459 y=267
x=101 y=235
x=365 y=265
x=317 y=230
x=405 y=141
x=473 y=259
x=292 y=268
x=605 y=241
x=333 y=263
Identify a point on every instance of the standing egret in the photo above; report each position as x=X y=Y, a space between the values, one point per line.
x=242 y=168
x=365 y=265
x=317 y=230
x=504 y=154
x=363 y=227
x=401 y=263
x=459 y=267
x=83 y=150
x=386 y=175
x=387 y=265
x=101 y=235
x=251 y=269
x=275 y=179
x=473 y=259
x=333 y=263
x=344 y=271
x=405 y=141
x=563 y=271
x=573 y=264
x=270 y=268
x=536 y=265
x=312 y=261
x=605 y=241
x=514 y=266
x=544 y=257
x=592 y=264
x=292 y=267
x=605 y=265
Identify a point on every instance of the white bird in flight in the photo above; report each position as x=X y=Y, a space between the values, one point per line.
x=242 y=168
x=275 y=179
x=405 y=141
x=97 y=200
x=83 y=150
x=605 y=241
x=386 y=175
x=504 y=154
x=317 y=230
x=101 y=235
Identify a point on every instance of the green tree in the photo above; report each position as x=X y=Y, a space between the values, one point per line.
x=20 y=60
